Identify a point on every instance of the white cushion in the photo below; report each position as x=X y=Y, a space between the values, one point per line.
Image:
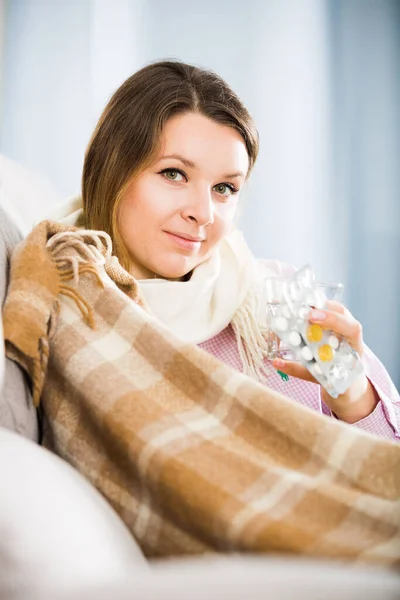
x=237 y=578
x=55 y=528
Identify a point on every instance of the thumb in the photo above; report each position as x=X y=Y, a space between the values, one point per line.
x=294 y=369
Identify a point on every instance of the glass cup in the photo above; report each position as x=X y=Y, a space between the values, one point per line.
x=332 y=291
x=274 y=296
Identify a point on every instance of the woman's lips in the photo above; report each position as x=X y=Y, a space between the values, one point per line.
x=184 y=242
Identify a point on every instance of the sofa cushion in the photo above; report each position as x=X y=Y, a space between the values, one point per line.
x=236 y=578
x=16 y=408
x=55 y=528
x=26 y=198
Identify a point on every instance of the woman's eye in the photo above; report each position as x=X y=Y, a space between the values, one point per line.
x=172 y=175
x=224 y=189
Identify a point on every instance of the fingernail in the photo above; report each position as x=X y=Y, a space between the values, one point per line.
x=317 y=315
x=278 y=362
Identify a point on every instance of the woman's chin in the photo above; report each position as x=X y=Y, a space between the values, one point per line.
x=174 y=275
x=176 y=272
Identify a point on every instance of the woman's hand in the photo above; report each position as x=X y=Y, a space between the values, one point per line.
x=360 y=399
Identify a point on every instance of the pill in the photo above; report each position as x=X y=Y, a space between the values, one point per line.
x=333 y=342
x=338 y=371
x=348 y=358
x=326 y=353
x=294 y=338
x=317 y=370
x=314 y=333
x=303 y=311
x=281 y=324
x=306 y=353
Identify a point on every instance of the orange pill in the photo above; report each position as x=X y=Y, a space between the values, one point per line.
x=326 y=353
x=314 y=333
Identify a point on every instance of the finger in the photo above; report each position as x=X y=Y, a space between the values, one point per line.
x=294 y=369
x=345 y=325
x=337 y=307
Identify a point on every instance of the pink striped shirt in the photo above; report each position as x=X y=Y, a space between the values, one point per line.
x=384 y=421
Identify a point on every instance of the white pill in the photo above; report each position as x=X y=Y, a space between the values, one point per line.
x=306 y=353
x=303 y=312
x=348 y=358
x=281 y=324
x=317 y=370
x=294 y=338
x=338 y=371
x=333 y=342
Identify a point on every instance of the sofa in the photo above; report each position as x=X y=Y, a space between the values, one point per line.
x=59 y=538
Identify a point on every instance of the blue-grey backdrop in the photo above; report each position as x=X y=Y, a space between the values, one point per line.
x=321 y=78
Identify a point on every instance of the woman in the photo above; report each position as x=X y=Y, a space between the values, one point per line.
x=194 y=456
x=163 y=175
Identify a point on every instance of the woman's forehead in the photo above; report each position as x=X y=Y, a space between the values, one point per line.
x=204 y=143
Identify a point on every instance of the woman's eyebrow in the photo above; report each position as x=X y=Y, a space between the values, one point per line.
x=183 y=160
x=191 y=165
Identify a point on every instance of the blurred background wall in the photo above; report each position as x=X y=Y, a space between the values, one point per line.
x=320 y=77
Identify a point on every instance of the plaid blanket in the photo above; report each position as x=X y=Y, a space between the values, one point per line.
x=194 y=456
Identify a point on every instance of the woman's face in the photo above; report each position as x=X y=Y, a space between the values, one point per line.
x=177 y=210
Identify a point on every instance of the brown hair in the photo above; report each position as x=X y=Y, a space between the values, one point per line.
x=127 y=135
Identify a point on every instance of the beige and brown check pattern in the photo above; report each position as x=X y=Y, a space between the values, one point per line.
x=195 y=456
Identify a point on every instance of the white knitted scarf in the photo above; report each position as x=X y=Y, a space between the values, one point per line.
x=224 y=289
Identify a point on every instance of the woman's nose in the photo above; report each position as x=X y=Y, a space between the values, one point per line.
x=200 y=208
